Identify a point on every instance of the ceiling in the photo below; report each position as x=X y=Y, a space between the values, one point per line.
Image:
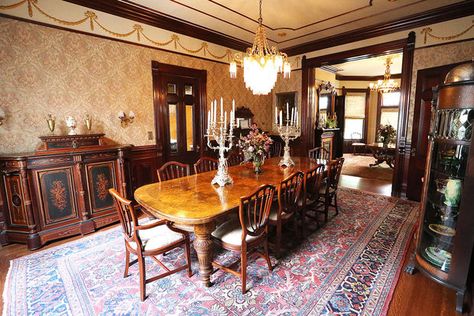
x=370 y=67
x=288 y=23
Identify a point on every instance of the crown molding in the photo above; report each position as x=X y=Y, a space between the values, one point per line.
x=154 y=18
x=366 y=78
x=449 y=12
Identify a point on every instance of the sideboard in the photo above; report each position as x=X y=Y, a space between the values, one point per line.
x=52 y=194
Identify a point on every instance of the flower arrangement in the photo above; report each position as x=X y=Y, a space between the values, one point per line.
x=386 y=134
x=255 y=146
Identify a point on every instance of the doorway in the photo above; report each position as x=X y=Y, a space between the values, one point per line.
x=179 y=96
x=401 y=150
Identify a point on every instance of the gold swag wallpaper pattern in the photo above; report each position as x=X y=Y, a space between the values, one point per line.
x=45 y=70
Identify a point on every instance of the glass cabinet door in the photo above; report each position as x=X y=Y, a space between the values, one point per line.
x=449 y=158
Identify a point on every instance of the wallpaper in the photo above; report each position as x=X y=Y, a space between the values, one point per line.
x=436 y=56
x=45 y=70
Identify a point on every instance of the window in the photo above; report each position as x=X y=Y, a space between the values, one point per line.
x=354 y=116
x=388 y=114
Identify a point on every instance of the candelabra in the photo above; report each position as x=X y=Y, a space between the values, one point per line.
x=288 y=132
x=217 y=131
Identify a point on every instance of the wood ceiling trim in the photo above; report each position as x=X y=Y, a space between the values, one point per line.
x=365 y=78
x=154 y=18
x=449 y=12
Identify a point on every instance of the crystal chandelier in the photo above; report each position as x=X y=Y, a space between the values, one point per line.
x=386 y=85
x=261 y=63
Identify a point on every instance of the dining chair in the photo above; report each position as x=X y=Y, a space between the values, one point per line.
x=318 y=153
x=149 y=240
x=205 y=164
x=249 y=233
x=311 y=187
x=356 y=138
x=289 y=193
x=172 y=170
x=276 y=149
x=328 y=189
x=235 y=158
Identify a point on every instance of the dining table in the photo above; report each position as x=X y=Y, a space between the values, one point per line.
x=193 y=202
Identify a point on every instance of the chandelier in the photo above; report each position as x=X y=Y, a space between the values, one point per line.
x=261 y=63
x=386 y=85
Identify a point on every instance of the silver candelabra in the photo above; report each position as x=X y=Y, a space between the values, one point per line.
x=217 y=131
x=289 y=131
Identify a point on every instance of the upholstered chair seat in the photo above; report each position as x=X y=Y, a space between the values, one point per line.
x=230 y=232
x=274 y=214
x=157 y=237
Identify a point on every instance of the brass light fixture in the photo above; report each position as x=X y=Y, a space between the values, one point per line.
x=386 y=85
x=261 y=63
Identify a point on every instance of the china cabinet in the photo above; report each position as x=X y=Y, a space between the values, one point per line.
x=445 y=234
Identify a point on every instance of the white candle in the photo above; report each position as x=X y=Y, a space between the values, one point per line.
x=212 y=112
x=287 y=111
x=281 y=117
x=276 y=115
x=215 y=112
x=225 y=119
x=297 y=118
x=233 y=105
x=208 y=119
x=222 y=108
x=292 y=116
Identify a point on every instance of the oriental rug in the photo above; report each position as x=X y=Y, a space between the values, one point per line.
x=350 y=266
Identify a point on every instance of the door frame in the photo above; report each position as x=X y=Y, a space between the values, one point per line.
x=405 y=46
x=159 y=102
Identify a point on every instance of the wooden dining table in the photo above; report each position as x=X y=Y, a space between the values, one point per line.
x=194 y=202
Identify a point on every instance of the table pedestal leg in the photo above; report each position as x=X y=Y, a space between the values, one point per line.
x=203 y=246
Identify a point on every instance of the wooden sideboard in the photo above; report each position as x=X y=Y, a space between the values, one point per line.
x=49 y=195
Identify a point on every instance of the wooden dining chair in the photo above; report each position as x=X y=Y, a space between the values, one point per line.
x=288 y=207
x=248 y=234
x=235 y=158
x=205 y=164
x=276 y=149
x=148 y=240
x=172 y=170
x=311 y=192
x=318 y=153
x=328 y=189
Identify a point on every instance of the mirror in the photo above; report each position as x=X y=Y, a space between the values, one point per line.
x=325 y=105
x=282 y=99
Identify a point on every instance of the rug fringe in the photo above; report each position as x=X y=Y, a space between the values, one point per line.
x=6 y=287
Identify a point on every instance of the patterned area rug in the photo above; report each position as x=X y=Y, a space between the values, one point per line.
x=358 y=166
x=348 y=267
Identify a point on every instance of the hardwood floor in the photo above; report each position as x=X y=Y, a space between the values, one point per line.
x=414 y=295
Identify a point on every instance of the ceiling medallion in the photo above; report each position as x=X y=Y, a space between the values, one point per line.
x=386 y=85
x=261 y=63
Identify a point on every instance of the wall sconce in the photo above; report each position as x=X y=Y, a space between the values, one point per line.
x=2 y=116
x=125 y=119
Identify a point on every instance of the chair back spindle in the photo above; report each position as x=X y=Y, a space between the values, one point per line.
x=255 y=209
x=172 y=170
x=289 y=193
x=318 y=153
x=127 y=216
x=312 y=182
x=205 y=164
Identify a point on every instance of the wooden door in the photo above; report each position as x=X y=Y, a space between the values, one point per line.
x=427 y=79
x=179 y=111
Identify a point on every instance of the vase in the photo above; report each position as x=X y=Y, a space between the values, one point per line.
x=257 y=164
